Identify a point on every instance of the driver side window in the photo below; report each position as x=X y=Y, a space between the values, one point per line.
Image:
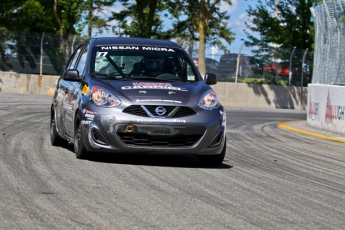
x=73 y=60
x=81 y=64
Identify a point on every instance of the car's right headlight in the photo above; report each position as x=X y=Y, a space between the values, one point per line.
x=209 y=100
x=103 y=98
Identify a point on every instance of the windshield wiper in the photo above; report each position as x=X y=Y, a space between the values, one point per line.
x=112 y=76
x=144 y=77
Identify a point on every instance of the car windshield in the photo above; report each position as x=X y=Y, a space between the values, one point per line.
x=141 y=62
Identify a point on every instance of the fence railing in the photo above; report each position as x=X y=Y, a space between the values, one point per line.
x=35 y=53
x=42 y=53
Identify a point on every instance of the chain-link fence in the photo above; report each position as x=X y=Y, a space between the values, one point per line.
x=275 y=66
x=35 y=53
x=39 y=53
x=329 y=24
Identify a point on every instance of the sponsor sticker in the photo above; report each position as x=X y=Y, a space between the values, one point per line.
x=160 y=120
x=89 y=116
x=157 y=100
x=153 y=85
x=68 y=107
x=84 y=122
x=85 y=89
x=144 y=48
x=87 y=111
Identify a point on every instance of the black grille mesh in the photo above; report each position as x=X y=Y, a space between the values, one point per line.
x=148 y=140
x=137 y=110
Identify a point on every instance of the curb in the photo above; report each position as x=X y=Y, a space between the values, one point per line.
x=283 y=125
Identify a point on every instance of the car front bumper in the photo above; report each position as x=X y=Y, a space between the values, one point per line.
x=200 y=134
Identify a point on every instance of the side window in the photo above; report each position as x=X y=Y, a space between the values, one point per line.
x=74 y=58
x=81 y=64
x=190 y=73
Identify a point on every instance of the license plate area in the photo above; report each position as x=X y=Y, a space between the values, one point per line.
x=159 y=135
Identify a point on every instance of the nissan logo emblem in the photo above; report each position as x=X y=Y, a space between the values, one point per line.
x=160 y=110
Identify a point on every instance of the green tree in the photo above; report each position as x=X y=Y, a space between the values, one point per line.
x=8 y=12
x=140 y=18
x=279 y=26
x=200 y=21
x=184 y=29
x=58 y=17
x=92 y=20
x=212 y=26
x=281 y=23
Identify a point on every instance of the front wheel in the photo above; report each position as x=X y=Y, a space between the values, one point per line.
x=55 y=139
x=79 y=147
x=213 y=160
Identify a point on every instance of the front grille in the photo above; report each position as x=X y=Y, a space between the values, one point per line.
x=168 y=141
x=135 y=110
x=149 y=111
x=157 y=135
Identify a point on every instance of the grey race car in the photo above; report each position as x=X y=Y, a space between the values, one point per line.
x=142 y=96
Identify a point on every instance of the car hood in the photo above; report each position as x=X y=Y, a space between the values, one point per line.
x=154 y=91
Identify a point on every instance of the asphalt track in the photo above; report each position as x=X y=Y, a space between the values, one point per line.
x=276 y=175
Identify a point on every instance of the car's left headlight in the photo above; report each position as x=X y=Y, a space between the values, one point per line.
x=209 y=100
x=103 y=98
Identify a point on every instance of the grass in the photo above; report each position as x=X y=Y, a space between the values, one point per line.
x=267 y=79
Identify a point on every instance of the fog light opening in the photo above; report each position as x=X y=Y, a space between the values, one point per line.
x=216 y=140
x=98 y=137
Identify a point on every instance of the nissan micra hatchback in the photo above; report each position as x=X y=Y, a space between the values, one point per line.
x=137 y=96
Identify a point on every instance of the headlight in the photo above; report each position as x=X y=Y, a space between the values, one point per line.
x=209 y=100
x=101 y=97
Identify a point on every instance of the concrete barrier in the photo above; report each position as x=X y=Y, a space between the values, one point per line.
x=326 y=107
x=230 y=94
x=11 y=82
x=261 y=96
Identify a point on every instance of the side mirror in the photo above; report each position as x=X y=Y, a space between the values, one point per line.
x=210 y=79
x=71 y=75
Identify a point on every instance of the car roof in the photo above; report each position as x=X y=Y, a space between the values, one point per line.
x=104 y=41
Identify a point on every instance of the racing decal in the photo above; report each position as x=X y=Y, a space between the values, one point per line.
x=89 y=116
x=101 y=54
x=160 y=120
x=69 y=96
x=224 y=118
x=158 y=49
x=159 y=100
x=85 y=89
x=144 y=48
x=153 y=85
x=68 y=107
x=120 y=48
x=88 y=111
x=313 y=108
x=85 y=122
x=334 y=112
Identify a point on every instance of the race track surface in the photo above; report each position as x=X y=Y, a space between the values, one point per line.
x=272 y=178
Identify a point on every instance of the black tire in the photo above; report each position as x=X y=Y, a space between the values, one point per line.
x=213 y=160
x=55 y=139
x=79 y=147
